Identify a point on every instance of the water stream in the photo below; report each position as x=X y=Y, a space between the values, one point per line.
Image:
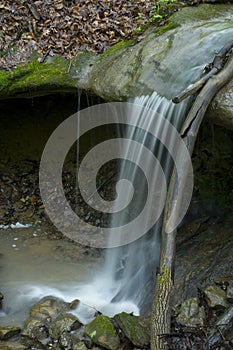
x=32 y=268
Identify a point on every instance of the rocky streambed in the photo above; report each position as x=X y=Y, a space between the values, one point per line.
x=202 y=322
x=203 y=296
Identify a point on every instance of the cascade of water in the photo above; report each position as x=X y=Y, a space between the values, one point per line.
x=129 y=269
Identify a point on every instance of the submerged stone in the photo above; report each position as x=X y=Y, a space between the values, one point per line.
x=7 y=332
x=132 y=329
x=102 y=332
x=191 y=314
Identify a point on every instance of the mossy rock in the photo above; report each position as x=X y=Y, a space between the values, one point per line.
x=37 y=79
x=102 y=332
x=132 y=329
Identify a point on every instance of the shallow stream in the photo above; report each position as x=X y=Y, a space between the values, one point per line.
x=32 y=268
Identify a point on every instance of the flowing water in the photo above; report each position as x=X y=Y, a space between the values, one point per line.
x=126 y=279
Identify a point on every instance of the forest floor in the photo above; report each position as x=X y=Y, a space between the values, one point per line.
x=65 y=27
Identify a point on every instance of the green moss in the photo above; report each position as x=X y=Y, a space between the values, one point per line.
x=132 y=329
x=117 y=48
x=35 y=76
x=164 y=277
x=102 y=332
x=170 y=25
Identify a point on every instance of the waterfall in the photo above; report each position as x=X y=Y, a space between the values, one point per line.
x=129 y=270
x=127 y=278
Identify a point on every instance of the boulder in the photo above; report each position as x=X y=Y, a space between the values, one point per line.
x=216 y=297
x=49 y=307
x=191 y=314
x=202 y=257
x=63 y=323
x=35 y=334
x=102 y=332
x=132 y=329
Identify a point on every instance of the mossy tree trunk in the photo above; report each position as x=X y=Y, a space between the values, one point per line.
x=161 y=308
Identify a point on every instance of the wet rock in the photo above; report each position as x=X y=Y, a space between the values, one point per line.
x=230 y=291
x=190 y=313
x=1 y=299
x=65 y=341
x=216 y=297
x=7 y=332
x=222 y=330
x=79 y=346
x=102 y=332
x=49 y=307
x=202 y=259
x=35 y=334
x=63 y=323
x=132 y=329
x=11 y=345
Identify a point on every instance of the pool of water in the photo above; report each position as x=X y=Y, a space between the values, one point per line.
x=33 y=266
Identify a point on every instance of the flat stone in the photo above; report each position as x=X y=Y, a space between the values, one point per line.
x=11 y=345
x=7 y=332
x=48 y=308
x=132 y=329
x=216 y=297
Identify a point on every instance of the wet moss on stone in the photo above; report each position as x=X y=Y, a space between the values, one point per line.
x=132 y=329
x=102 y=332
x=37 y=78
